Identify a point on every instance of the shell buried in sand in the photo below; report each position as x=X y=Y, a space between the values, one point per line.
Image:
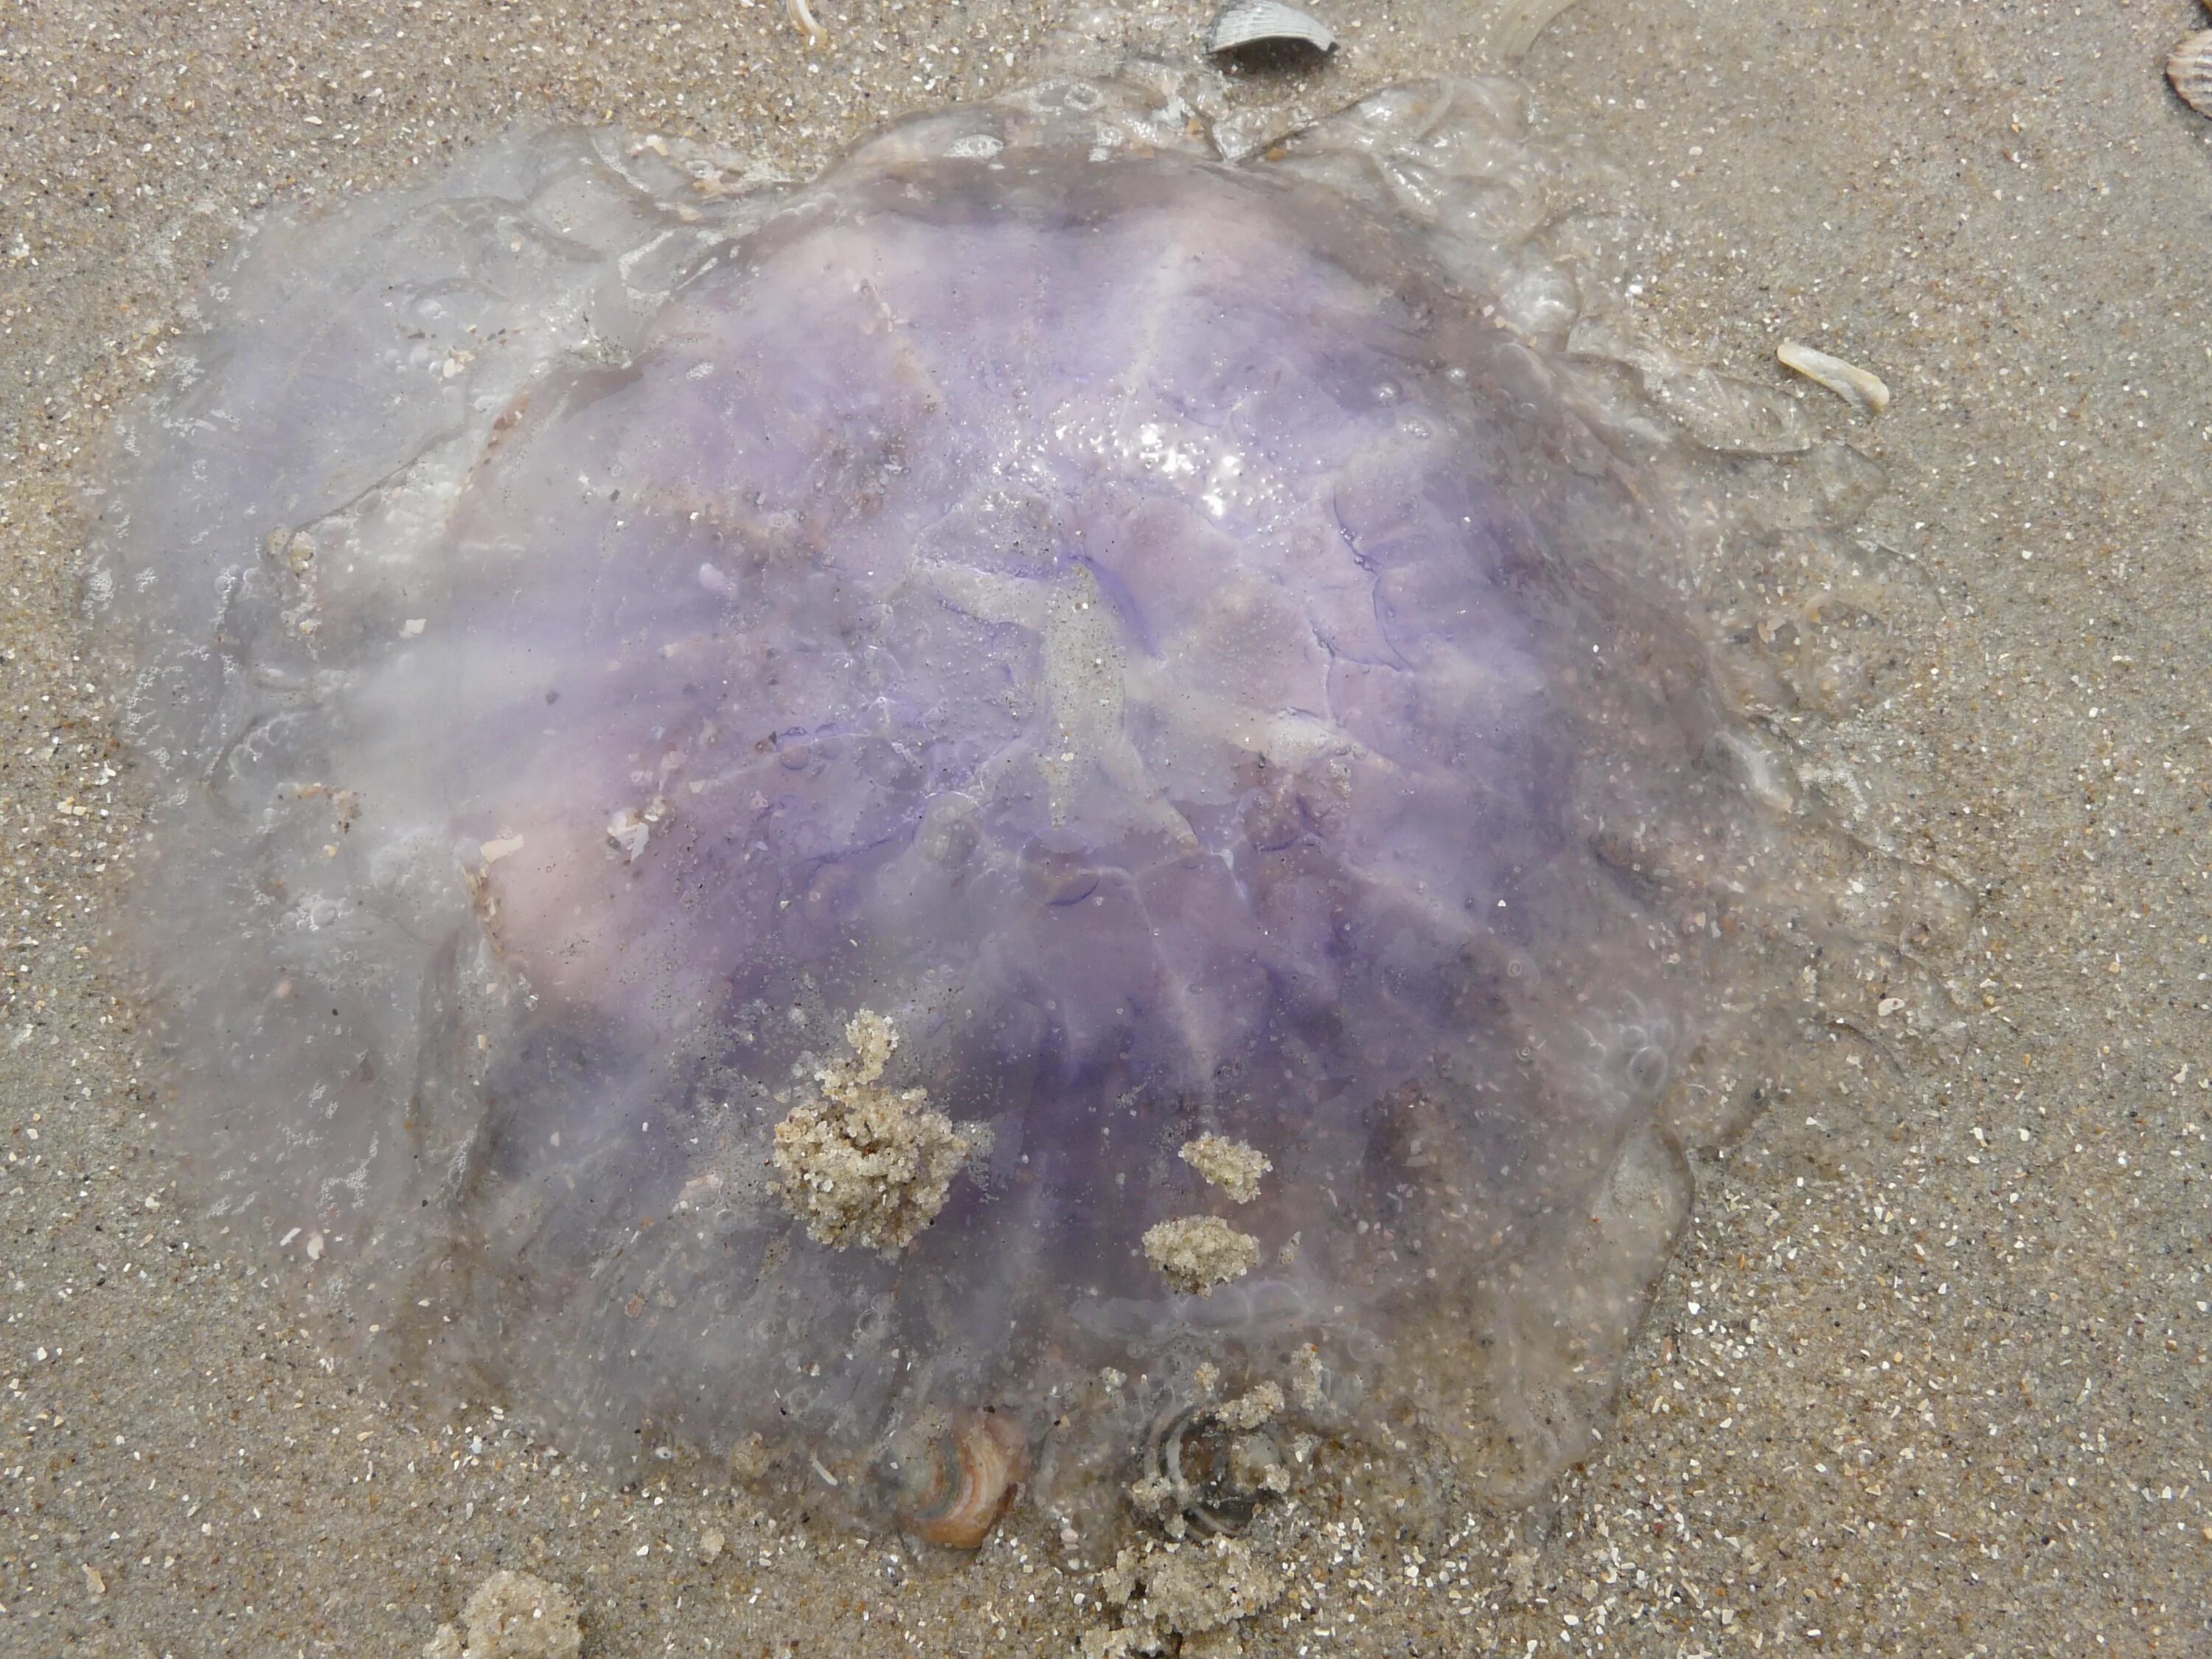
x=753 y=790
x=1249 y=22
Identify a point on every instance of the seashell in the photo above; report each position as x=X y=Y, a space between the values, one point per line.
x=1208 y=1471
x=1862 y=388
x=1249 y=23
x=976 y=1469
x=2189 y=66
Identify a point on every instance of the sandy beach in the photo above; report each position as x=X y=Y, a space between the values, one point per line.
x=1932 y=1371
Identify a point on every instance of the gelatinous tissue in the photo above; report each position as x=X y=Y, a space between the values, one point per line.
x=1037 y=777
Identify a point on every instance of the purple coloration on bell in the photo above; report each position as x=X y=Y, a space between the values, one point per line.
x=1134 y=628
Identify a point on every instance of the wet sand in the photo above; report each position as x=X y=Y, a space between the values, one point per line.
x=1930 y=1374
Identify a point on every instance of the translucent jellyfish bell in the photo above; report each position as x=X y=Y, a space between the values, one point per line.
x=799 y=823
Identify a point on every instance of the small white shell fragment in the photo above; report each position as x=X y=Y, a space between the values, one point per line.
x=2189 y=66
x=627 y=833
x=1244 y=22
x=1860 y=388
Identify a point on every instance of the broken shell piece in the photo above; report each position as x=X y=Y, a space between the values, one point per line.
x=2189 y=66
x=1862 y=388
x=627 y=833
x=972 y=1479
x=493 y=851
x=1249 y=23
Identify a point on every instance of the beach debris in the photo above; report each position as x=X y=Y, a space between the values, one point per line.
x=815 y=34
x=2189 y=66
x=1251 y=22
x=864 y=1165
x=1228 y=1165
x=1862 y=388
x=512 y=1615
x=1194 y=1252
x=971 y=1475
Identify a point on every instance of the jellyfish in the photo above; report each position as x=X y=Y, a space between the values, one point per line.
x=862 y=826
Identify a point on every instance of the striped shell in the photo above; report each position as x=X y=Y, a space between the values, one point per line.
x=2190 y=68
x=971 y=1480
x=1246 y=22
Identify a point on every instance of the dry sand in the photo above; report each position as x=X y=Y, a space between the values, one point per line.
x=1930 y=1375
